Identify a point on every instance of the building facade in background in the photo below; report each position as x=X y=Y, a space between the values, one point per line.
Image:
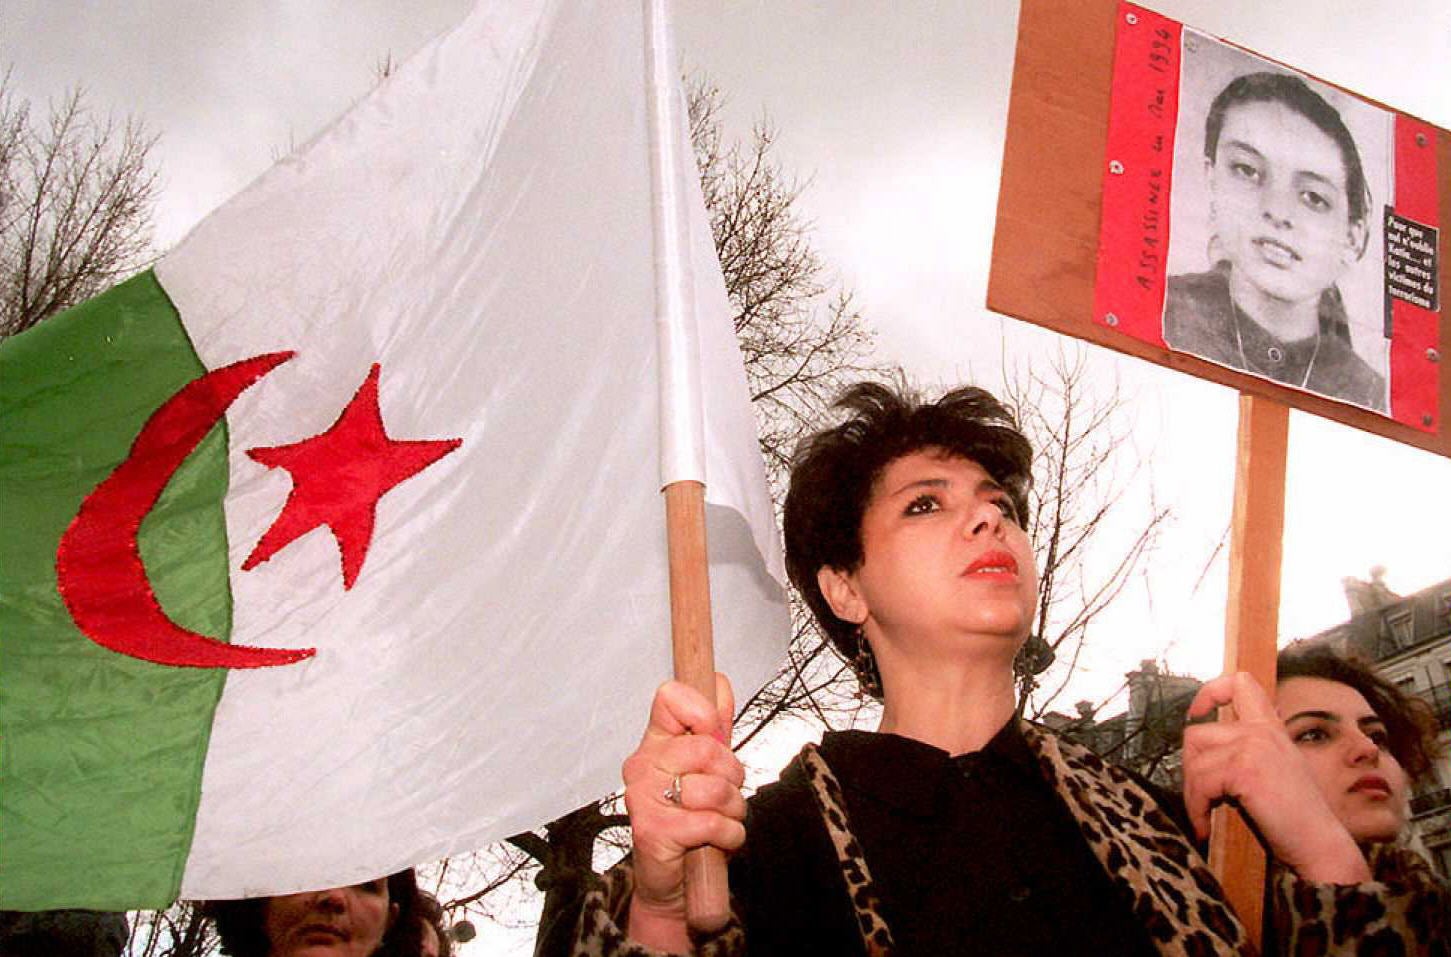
x=1148 y=736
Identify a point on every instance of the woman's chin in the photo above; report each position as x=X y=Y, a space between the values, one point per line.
x=329 y=948
x=1377 y=828
x=1006 y=629
x=994 y=644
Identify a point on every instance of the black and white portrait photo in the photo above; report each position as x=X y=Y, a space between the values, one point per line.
x=1275 y=262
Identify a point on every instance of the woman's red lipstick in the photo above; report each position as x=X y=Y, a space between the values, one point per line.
x=1372 y=783
x=996 y=564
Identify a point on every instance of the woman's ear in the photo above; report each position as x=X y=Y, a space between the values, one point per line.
x=393 y=910
x=1357 y=237
x=840 y=590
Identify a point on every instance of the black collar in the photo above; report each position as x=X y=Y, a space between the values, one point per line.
x=910 y=775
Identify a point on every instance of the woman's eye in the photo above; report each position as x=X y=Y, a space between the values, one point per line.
x=922 y=505
x=1311 y=736
x=375 y=886
x=1006 y=506
x=1245 y=171
x=1382 y=739
x=1317 y=202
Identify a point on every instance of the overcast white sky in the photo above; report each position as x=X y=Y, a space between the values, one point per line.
x=895 y=110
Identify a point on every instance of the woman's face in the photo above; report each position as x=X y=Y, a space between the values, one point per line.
x=1280 y=209
x=338 y=922
x=943 y=556
x=1345 y=744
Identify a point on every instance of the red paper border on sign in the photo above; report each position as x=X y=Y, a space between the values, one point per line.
x=1133 y=241
x=1135 y=227
x=1415 y=375
x=1050 y=212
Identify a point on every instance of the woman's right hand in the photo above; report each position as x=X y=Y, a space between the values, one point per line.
x=686 y=738
x=1252 y=761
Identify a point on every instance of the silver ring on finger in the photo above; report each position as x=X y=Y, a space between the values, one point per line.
x=672 y=794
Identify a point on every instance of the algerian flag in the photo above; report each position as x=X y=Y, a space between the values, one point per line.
x=449 y=490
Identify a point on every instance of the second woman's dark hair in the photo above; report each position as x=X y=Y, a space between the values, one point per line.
x=430 y=912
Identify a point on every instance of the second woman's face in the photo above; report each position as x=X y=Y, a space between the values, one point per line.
x=944 y=555
x=1346 y=746
x=337 y=922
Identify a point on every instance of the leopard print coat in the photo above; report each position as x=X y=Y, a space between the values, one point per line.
x=1406 y=910
x=1163 y=878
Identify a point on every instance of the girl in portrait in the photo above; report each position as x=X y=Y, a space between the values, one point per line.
x=1289 y=215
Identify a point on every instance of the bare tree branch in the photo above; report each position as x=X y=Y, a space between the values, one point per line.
x=1080 y=433
x=76 y=198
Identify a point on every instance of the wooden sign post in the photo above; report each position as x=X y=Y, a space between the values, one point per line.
x=1083 y=245
x=1251 y=617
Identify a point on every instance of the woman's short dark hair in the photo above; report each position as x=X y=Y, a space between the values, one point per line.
x=430 y=912
x=1410 y=722
x=1296 y=94
x=833 y=472
x=241 y=924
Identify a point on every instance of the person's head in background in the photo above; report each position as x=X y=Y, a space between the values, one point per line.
x=1364 y=739
x=63 y=933
x=373 y=918
x=435 y=941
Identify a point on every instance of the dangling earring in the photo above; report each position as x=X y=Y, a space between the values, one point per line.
x=1033 y=658
x=864 y=664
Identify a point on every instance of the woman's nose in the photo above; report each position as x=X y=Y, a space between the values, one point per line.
x=1277 y=206
x=332 y=900
x=1361 y=749
x=986 y=518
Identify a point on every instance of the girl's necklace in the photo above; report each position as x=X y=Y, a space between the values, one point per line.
x=1244 y=362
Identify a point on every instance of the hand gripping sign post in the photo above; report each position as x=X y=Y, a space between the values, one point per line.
x=1224 y=215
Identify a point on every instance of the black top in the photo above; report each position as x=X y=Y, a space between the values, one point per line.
x=971 y=854
x=1200 y=318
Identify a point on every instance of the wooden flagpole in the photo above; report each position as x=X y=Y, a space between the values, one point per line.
x=1252 y=623
x=682 y=430
x=707 y=888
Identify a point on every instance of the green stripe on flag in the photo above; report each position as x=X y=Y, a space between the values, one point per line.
x=100 y=754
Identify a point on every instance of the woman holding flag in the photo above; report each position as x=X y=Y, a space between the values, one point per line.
x=955 y=827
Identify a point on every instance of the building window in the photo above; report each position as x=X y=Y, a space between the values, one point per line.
x=1399 y=625
x=1439 y=695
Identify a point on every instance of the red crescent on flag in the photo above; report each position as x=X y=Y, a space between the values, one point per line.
x=98 y=565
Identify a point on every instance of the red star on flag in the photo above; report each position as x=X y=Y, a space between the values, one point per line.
x=338 y=477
